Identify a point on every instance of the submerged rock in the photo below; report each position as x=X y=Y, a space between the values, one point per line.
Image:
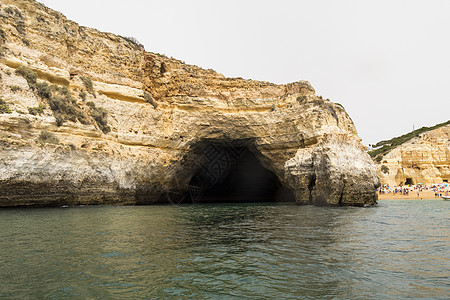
x=133 y=127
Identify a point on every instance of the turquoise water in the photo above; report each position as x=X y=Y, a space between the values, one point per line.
x=400 y=249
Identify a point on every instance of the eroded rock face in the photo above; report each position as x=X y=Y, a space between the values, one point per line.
x=160 y=112
x=424 y=159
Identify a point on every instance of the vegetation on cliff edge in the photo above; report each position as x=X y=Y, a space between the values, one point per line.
x=388 y=145
x=133 y=41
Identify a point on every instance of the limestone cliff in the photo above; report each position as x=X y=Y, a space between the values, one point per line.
x=424 y=159
x=105 y=122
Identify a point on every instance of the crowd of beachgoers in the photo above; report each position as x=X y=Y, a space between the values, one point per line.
x=419 y=191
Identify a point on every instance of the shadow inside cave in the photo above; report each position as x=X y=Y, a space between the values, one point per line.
x=233 y=174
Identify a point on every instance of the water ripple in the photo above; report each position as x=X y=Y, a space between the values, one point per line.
x=250 y=251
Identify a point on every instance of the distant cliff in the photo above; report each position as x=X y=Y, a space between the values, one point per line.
x=422 y=156
x=88 y=117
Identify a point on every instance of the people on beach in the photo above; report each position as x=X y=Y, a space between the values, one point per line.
x=422 y=191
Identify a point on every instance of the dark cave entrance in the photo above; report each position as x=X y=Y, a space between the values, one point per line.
x=409 y=181
x=233 y=174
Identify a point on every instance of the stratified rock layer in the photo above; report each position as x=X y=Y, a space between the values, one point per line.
x=161 y=112
x=424 y=159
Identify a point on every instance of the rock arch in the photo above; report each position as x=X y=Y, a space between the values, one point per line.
x=328 y=169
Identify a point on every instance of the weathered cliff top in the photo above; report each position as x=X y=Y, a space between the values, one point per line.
x=60 y=49
x=425 y=158
x=384 y=147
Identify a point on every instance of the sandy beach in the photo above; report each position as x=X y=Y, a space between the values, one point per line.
x=423 y=195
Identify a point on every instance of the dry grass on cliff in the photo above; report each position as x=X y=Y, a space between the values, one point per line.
x=28 y=74
x=149 y=99
x=61 y=102
x=4 y=107
x=133 y=41
x=100 y=116
x=39 y=110
x=2 y=36
x=47 y=138
x=89 y=85
x=65 y=107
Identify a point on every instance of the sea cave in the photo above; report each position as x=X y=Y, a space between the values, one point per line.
x=231 y=173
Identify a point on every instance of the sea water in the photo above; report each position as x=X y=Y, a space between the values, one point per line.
x=399 y=249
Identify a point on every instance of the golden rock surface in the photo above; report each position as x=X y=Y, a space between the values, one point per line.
x=160 y=112
x=424 y=159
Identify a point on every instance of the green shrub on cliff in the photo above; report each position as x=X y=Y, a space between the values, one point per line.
x=302 y=98
x=100 y=116
x=2 y=36
x=60 y=100
x=88 y=84
x=4 y=107
x=20 y=27
x=43 y=90
x=384 y=169
x=82 y=95
x=15 y=88
x=133 y=41
x=59 y=119
x=47 y=138
x=63 y=92
x=149 y=99
x=29 y=75
x=65 y=110
x=36 y=110
x=64 y=106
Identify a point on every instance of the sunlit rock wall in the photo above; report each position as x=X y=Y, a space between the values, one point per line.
x=158 y=110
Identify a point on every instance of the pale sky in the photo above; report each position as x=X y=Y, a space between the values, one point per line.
x=386 y=61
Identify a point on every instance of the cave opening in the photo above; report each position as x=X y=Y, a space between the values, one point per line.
x=231 y=173
x=409 y=181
